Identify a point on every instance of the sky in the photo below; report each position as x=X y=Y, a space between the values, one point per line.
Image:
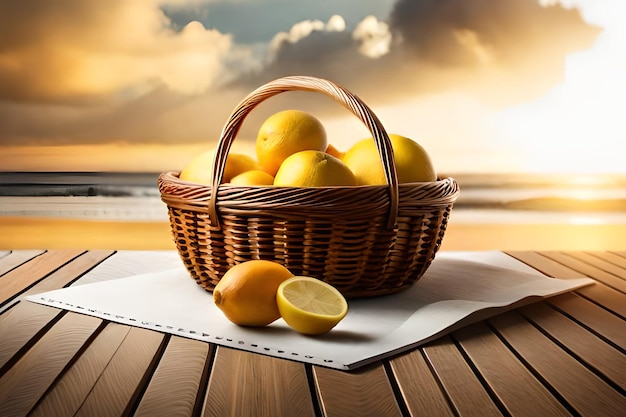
x=484 y=86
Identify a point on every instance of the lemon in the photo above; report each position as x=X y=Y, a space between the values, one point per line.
x=246 y=294
x=285 y=133
x=310 y=306
x=413 y=164
x=313 y=169
x=199 y=170
x=254 y=177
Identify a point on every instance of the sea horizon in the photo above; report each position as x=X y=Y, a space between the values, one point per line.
x=484 y=197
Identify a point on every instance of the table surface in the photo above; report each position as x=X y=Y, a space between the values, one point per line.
x=558 y=357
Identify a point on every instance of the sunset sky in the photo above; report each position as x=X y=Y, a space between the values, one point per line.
x=485 y=86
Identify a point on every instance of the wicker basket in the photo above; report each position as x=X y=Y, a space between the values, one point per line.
x=364 y=240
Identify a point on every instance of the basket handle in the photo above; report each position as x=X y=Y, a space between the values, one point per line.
x=305 y=83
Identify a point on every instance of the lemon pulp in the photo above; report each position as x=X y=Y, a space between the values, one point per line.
x=310 y=306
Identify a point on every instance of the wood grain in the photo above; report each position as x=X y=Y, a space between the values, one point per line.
x=463 y=388
x=120 y=383
x=613 y=258
x=560 y=356
x=420 y=388
x=21 y=326
x=67 y=395
x=507 y=377
x=12 y=259
x=71 y=271
x=598 y=292
x=560 y=370
x=600 y=271
x=174 y=388
x=588 y=347
x=126 y=263
x=27 y=274
x=545 y=265
x=26 y=381
x=368 y=389
x=592 y=316
x=63 y=276
x=245 y=384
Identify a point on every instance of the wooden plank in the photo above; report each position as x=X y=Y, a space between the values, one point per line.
x=608 y=298
x=119 y=386
x=22 y=325
x=68 y=273
x=589 y=348
x=368 y=388
x=127 y=263
x=63 y=276
x=545 y=265
x=174 y=388
x=599 y=293
x=591 y=266
x=19 y=279
x=26 y=381
x=508 y=378
x=463 y=388
x=611 y=259
x=582 y=389
x=13 y=259
x=70 y=391
x=420 y=388
x=594 y=317
x=246 y=384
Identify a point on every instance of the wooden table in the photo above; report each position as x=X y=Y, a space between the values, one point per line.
x=559 y=357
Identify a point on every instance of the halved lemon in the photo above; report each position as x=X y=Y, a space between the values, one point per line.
x=310 y=306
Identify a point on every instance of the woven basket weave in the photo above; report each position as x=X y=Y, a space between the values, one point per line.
x=364 y=240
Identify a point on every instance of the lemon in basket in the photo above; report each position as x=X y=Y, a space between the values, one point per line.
x=313 y=169
x=285 y=133
x=246 y=294
x=413 y=164
x=254 y=177
x=310 y=306
x=199 y=170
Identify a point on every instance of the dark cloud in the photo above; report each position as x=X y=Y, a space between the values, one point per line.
x=446 y=44
x=456 y=32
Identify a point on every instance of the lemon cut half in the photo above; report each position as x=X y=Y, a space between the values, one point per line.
x=310 y=306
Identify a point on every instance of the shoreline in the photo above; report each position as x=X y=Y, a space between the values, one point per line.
x=56 y=233
x=152 y=209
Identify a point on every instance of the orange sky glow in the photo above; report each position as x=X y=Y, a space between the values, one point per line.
x=577 y=125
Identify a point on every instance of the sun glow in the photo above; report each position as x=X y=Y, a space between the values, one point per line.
x=579 y=126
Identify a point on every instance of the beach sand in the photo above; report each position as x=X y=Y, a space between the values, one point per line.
x=53 y=233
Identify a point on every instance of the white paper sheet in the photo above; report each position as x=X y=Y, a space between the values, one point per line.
x=458 y=289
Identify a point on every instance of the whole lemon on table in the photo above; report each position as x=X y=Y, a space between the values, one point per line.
x=246 y=294
x=413 y=164
x=254 y=177
x=285 y=133
x=313 y=169
x=199 y=170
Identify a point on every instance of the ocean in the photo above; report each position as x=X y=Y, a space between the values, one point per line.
x=484 y=198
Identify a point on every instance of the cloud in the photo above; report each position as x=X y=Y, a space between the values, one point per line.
x=75 y=50
x=471 y=32
x=98 y=70
x=374 y=37
x=427 y=46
